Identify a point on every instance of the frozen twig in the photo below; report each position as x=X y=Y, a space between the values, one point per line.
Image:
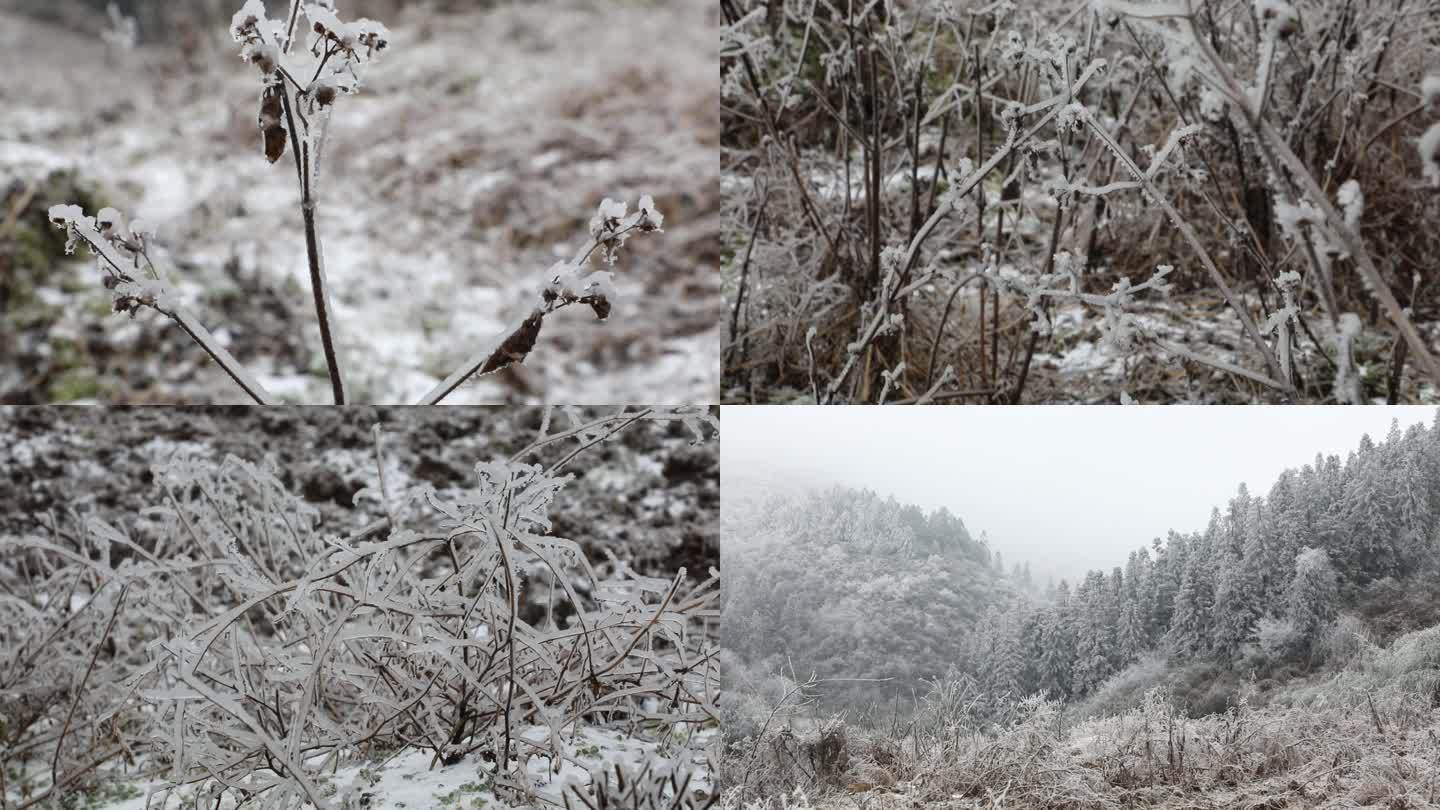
x=567 y=283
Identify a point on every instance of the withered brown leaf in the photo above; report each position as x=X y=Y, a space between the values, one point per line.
x=517 y=346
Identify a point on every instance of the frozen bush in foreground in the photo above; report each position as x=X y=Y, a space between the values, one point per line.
x=299 y=91
x=671 y=786
x=251 y=650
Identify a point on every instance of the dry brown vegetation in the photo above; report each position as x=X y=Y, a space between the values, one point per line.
x=845 y=136
x=1367 y=735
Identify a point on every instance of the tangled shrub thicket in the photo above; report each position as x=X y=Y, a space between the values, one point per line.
x=297 y=98
x=252 y=650
x=923 y=198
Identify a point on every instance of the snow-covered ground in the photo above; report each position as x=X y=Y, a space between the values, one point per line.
x=472 y=159
x=412 y=780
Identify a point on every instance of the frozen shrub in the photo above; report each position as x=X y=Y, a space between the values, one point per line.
x=304 y=72
x=656 y=784
x=1345 y=640
x=1127 y=688
x=1281 y=641
x=250 y=649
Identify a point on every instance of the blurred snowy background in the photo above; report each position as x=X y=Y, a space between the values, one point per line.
x=472 y=160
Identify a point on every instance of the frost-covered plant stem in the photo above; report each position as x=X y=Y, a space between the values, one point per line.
x=1278 y=151
x=1147 y=181
x=294 y=114
x=891 y=293
x=1322 y=274
x=314 y=255
x=80 y=690
x=167 y=306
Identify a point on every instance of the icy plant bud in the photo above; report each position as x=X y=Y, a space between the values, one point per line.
x=324 y=91
x=1430 y=154
x=70 y=217
x=568 y=284
x=1294 y=218
x=1352 y=199
x=64 y=215
x=608 y=217
x=108 y=221
x=262 y=55
x=650 y=217
x=323 y=21
x=1070 y=115
x=373 y=35
x=560 y=275
x=363 y=34
x=1278 y=18
x=246 y=22
x=1430 y=93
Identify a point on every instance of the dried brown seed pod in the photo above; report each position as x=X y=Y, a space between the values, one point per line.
x=263 y=57
x=275 y=139
x=271 y=109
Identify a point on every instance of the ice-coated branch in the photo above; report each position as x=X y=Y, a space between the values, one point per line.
x=567 y=283
x=132 y=292
x=1146 y=178
x=1276 y=144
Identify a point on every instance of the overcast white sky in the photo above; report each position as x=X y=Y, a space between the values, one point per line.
x=1068 y=487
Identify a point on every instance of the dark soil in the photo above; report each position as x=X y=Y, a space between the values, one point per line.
x=648 y=496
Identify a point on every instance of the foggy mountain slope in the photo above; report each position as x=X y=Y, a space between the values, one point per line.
x=846 y=584
x=1285 y=655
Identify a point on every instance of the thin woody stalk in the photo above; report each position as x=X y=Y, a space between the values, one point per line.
x=314 y=256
